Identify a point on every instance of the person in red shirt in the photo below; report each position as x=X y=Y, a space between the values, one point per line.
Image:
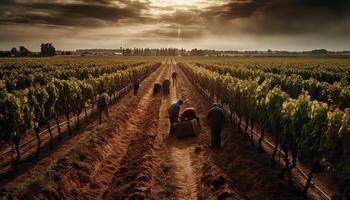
x=189 y=114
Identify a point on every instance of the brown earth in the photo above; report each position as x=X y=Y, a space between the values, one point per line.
x=132 y=156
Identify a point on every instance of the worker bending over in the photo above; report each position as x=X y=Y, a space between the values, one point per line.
x=173 y=112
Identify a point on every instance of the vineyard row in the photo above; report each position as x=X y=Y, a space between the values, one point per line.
x=306 y=130
x=336 y=94
x=34 y=107
x=18 y=76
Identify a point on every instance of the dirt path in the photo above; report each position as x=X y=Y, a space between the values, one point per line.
x=180 y=152
x=197 y=179
x=128 y=150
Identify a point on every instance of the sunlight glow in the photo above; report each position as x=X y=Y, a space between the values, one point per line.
x=175 y=2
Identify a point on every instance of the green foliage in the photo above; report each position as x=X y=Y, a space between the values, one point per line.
x=37 y=99
x=11 y=116
x=52 y=93
x=311 y=150
x=293 y=81
x=274 y=104
x=23 y=110
x=314 y=133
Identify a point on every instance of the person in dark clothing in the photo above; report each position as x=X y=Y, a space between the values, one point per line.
x=136 y=86
x=166 y=86
x=173 y=112
x=157 y=87
x=103 y=102
x=216 y=119
x=173 y=76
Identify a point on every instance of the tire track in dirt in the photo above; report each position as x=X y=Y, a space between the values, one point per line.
x=137 y=176
x=134 y=134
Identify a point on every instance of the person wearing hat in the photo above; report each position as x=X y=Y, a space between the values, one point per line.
x=173 y=112
x=216 y=119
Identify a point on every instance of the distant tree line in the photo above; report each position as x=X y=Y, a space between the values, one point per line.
x=149 y=52
x=47 y=49
x=14 y=52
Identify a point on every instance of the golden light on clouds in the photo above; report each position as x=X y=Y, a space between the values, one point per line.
x=217 y=24
x=176 y=2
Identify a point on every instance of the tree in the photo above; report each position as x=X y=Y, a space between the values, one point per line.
x=24 y=51
x=14 y=52
x=47 y=49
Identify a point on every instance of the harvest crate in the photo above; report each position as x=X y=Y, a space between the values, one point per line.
x=186 y=128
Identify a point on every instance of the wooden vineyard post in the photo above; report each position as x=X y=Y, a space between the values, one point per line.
x=36 y=130
x=86 y=115
x=58 y=128
x=68 y=124
x=262 y=134
x=18 y=153
x=50 y=132
x=77 y=121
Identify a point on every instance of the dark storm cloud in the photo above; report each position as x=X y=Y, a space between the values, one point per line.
x=234 y=9
x=281 y=16
x=250 y=16
x=287 y=9
x=217 y=22
x=79 y=13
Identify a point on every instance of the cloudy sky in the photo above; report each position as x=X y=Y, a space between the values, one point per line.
x=210 y=24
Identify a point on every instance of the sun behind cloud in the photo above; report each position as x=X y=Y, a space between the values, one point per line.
x=219 y=24
x=176 y=2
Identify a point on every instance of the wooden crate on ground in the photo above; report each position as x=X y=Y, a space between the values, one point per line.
x=186 y=128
